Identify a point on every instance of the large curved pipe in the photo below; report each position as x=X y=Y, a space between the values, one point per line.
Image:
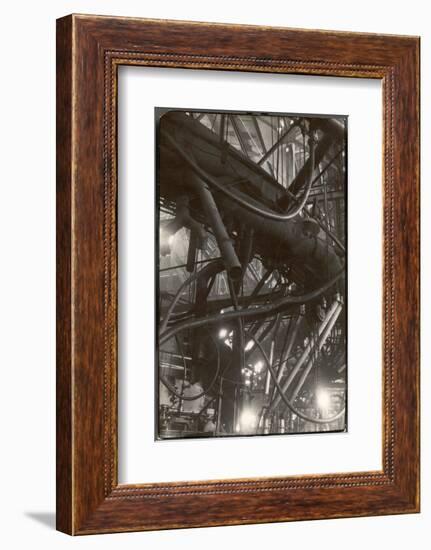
x=224 y=242
x=173 y=390
x=251 y=312
x=271 y=215
x=333 y=131
x=293 y=244
x=177 y=296
x=312 y=251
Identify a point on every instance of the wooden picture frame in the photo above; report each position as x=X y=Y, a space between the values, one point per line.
x=89 y=51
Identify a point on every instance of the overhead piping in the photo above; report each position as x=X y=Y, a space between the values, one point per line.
x=308 y=349
x=287 y=402
x=226 y=191
x=250 y=312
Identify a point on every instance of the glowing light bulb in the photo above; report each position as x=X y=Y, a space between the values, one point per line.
x=249 y=345
x=222 y=333
x=258 y=366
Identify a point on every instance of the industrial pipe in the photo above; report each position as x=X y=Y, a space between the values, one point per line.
x=307 y=351
x=322 y=340
x=333 y=131
x=286 y=352
x=287 y=402
x=184 y=219
x=224 y=242
x=173 y=390
x=267 y=223
x=209 y=180
x=263 y=310
x=177 y=296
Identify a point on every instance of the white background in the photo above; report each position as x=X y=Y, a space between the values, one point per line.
x=141 y=458
x=27 y=119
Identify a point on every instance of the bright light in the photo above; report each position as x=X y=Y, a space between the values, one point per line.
x=166 y=240
x=249 y=345
x=248 y=420
x=223 y=333
x=258 y=366
x=323 y=399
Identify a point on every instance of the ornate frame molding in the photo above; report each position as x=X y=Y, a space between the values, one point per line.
x=90 y=49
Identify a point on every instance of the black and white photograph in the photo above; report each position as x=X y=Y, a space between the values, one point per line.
x=214 y=240
x=251 y=264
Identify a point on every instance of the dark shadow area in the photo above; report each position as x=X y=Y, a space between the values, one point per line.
x=45 y=518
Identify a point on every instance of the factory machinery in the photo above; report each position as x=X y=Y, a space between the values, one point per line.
x=252 y=271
